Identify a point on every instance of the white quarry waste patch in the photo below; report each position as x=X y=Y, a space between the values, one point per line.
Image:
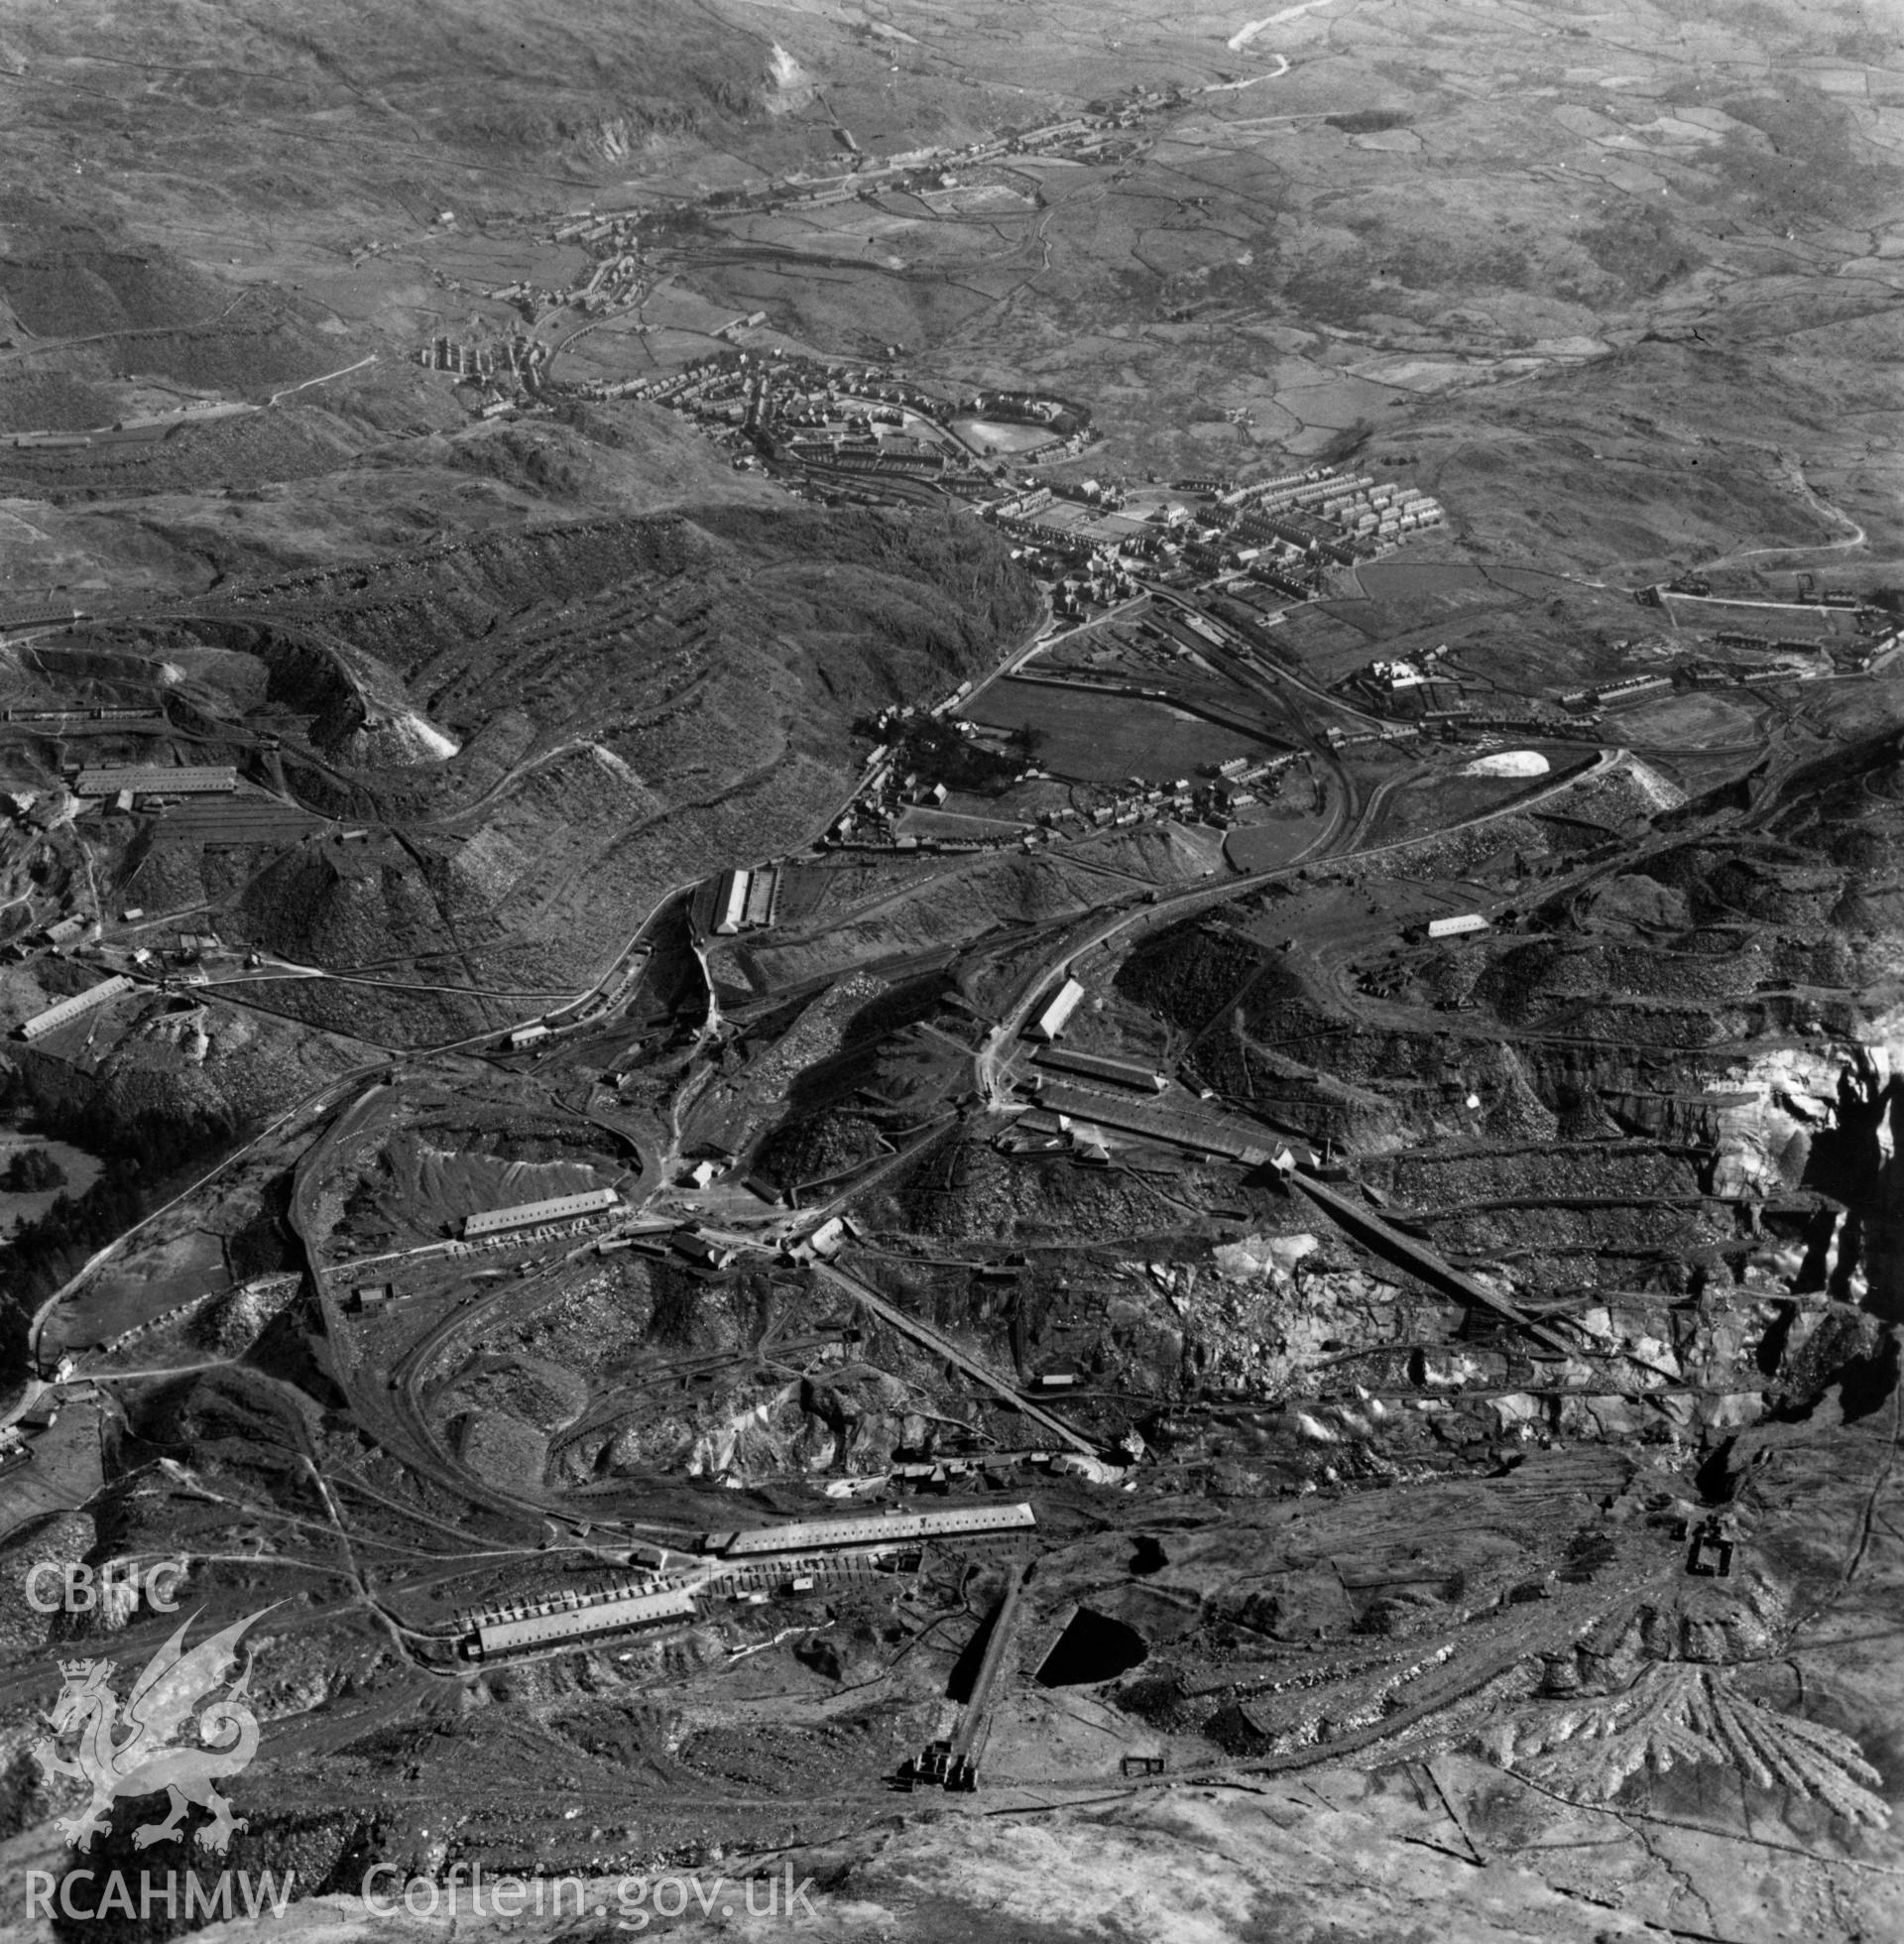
x=719 y=1450
x=1094 y=1470
x=714 y=1450
x=789 y=86
x=1231 y=87
x=869 y=1486
x=1659 y=790
x=402 y=736
x=1885 y=1048
x=1263 y=1254
x=1248 y=31
x=613 y=765
x=1510 y=763
x=1764 y=1140
x=412 y=725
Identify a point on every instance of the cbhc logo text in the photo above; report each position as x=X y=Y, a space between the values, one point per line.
x=75 y=1587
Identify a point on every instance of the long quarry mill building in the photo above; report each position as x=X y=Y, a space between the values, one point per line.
x=531 y=1214
x=1095 y=1066
x=72 y=1008
x=874 y=1528
x=159 y=780
x=573 y=1617
x=511 y=1629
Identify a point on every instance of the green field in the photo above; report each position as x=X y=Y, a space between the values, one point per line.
x=1107 y=738
x=1269 y=846
x=986 y=436
x=1690 y=721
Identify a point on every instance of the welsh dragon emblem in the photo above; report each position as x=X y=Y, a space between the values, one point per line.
x=147 y=1760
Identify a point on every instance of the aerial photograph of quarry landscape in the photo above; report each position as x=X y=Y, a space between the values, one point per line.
x=952 y=971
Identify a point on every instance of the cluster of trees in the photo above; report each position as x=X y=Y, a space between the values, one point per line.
x=141 y=1156
x=941 y=753
x=32 y=1172
x=43 y=1252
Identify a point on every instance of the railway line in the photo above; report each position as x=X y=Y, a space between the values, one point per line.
x=931 y=1339
x=1435 y=1667
x=1174 y=906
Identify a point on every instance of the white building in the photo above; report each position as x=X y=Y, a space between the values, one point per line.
x=1454 y=927
x=1057 y=1015
x=730 y=902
